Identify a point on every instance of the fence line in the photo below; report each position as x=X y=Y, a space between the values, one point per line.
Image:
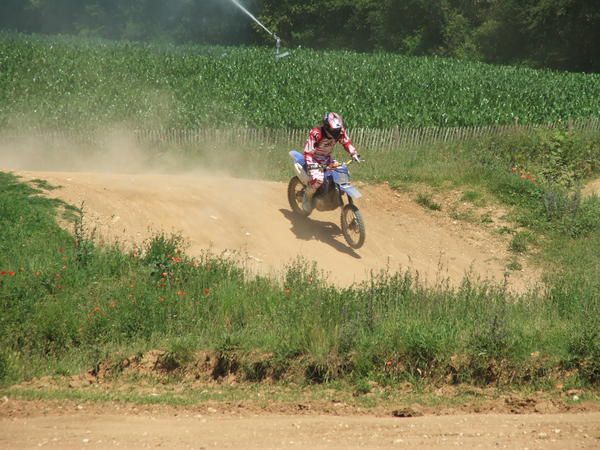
x=367 y=138
x=364 y=138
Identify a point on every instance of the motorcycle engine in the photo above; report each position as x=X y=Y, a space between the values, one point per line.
x=327 y=201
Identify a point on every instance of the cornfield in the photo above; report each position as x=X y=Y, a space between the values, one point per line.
x=78 y=83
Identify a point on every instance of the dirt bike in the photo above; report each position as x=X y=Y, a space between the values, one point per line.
x=329 y=196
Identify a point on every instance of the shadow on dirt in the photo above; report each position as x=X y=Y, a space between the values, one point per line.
x=306 y=229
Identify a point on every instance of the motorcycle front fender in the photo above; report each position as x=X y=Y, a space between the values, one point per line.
x=350 y=190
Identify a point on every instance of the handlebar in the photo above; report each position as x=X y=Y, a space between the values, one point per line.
x=334 y=165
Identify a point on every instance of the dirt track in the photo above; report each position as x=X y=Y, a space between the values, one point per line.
x=37 y=425
x=224 y=213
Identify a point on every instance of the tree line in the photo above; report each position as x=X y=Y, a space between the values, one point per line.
x=558 y=34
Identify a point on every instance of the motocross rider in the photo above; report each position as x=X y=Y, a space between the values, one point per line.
x=318 y=149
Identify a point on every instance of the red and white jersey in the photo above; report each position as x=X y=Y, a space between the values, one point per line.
x=319 y=147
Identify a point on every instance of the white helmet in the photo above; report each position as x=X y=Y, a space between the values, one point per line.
x=333 y=124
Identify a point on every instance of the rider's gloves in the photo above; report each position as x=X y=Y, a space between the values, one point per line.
x=356 y=158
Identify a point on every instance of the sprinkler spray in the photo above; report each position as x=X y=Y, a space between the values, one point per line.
x=273 y=35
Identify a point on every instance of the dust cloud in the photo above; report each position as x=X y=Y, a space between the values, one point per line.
x=111 y=151
x=116 y=151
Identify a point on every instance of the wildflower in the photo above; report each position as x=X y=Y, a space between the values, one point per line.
x=206 y=292
x=176 y=259
x=11 y=274
x=181 y=293
x=113 y=304
x=287 y=291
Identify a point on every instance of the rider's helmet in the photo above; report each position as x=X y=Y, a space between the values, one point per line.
x=333 y=124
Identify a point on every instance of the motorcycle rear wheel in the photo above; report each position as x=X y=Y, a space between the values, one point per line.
x=353 y=226
x=295 y=193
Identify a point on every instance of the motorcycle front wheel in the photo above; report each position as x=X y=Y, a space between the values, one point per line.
x=295 y=195
x=353 y=226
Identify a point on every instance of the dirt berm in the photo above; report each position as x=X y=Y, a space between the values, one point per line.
x=253 y=218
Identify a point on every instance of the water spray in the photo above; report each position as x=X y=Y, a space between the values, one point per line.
x=273 y=35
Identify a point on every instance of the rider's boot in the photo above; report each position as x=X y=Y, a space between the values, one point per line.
x=307 y=200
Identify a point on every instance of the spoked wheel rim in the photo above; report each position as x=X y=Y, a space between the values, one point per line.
x=353 y=226
x=296 y=196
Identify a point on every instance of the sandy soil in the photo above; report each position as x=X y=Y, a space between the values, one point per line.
x=254 y=218
x=39 y=424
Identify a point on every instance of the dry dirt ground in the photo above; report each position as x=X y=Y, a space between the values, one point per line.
x=35 y=424
x=253 y=218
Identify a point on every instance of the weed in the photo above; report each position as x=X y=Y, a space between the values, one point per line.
x=486 y=218
x=584 y=349
x=520 y=242
x=489 y=344
x=43 y=184
x=514 y=264
x=473 y=197
x=466 y=215
x=84 y=244
x=560 y=202
x=425 y=199
x=180 y=351
x=362 y=387
x=504 y=230
x=4 y=367
x=161 y=253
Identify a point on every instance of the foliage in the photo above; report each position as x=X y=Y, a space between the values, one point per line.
x=78 y=83
x=508 y=31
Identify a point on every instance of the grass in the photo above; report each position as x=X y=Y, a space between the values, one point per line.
x=67 y=305
x=321 y=399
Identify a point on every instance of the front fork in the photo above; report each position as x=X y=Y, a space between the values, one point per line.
x=350 y=201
